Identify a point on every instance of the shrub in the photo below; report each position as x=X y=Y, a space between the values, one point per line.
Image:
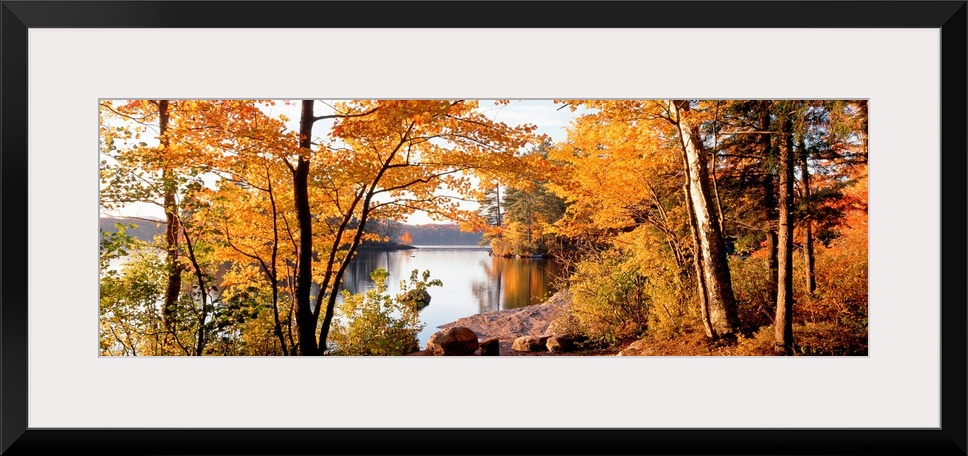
x=755 y=301
x=609 y=299
x=759 y=343
x=375 y=323
x=834 y=320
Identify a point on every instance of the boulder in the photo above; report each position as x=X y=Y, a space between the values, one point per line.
x=453 y=341
x=563 y=343
x=417 y=298
x=563 y=322
x=491 y=347
x=530 y=343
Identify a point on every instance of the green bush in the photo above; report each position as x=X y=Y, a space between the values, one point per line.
x=375 y=323
x=609 y=299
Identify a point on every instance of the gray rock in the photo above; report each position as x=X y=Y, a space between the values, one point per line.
x=453 y=341
x=563 y=324
x=530 y=343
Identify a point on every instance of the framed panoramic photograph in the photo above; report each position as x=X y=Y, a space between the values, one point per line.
x=483 y=227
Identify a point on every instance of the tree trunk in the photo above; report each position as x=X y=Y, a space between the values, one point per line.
x=769 y=199
x=811 y=280
x=273 y=269
x=331 y=302
x=723 y=318
x=783 y=323
x=173 y=287
x=698 y=262
x=357 y=238
x=203 y=295
x=500 y=221
x=305 y=319
x=718 y=206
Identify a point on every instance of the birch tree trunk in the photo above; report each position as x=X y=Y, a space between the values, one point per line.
x=723 y=319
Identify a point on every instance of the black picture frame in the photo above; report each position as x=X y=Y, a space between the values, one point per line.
x=18 y=16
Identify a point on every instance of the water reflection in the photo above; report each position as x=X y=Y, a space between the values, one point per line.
x=474 y=282
x=514 y=282
x=356 y=279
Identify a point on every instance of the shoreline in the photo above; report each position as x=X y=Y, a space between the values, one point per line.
x=534 y=320
x=510 y=324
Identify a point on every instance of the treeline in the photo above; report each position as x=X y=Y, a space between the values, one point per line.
x=390 y=234
x=442 y=234
x=142 y=229
x=384 y=232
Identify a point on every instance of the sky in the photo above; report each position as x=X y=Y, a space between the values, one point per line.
x=544 y=114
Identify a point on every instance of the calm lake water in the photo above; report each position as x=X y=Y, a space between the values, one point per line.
x=474 y=281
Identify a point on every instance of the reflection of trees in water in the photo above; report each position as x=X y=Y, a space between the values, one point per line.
x=507 y=283
x=514 y=283
x=488 y=292
x=528 y=281
x=356 y=279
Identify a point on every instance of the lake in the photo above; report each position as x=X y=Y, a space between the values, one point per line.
x=474 y=281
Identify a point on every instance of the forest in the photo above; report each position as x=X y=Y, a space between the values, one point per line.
x=698 y=226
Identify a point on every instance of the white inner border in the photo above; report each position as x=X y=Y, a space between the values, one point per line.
x=898 y=385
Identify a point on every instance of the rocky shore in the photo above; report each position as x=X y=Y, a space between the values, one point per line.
x=538 y=321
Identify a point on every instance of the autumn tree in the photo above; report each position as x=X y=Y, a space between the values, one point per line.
x=136 y=171
x=396 y=154
x=203 y=140
x=521 y=219
x=128 y=176
x=716 y=292
x=621 y=175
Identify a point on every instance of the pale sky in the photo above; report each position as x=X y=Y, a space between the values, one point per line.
x=542 y=113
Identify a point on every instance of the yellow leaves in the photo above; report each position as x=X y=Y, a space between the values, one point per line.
x=615 y=169
x=409 y=153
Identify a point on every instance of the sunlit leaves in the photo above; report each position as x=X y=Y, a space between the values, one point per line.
x=229 y=167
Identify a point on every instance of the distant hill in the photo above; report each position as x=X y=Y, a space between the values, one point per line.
x=440 y=234
x=146 y=230
x=427 y=234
